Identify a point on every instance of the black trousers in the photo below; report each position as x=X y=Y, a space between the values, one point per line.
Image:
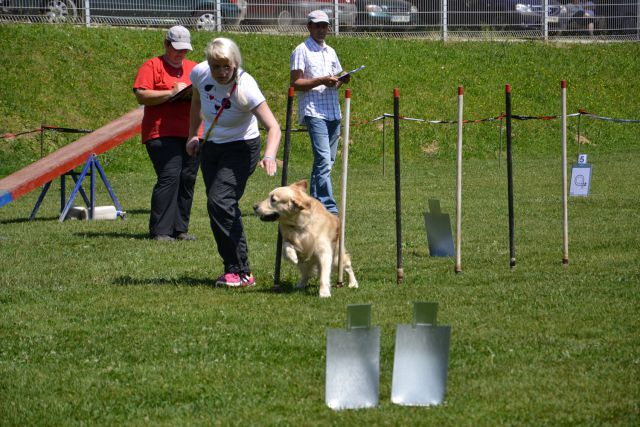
x=172 y=194
x=226 y=169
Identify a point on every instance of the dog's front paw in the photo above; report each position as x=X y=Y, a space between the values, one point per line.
x=325 y=292
x=353 y=284
x=290 y=253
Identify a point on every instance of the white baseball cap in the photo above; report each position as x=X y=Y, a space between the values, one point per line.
x=179 y=37
x=318 y=16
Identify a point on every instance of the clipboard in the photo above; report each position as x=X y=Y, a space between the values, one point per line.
x=348 y=73
x=183 y=95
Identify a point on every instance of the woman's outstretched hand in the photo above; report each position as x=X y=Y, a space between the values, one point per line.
x=270 y=165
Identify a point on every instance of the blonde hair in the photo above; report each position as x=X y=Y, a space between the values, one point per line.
x=223 y=48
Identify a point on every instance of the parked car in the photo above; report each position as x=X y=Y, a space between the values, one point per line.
x=579 y=16
x=200 y=14
x=524 y=14
x=40 y=10
x=619 y=16
x=503 y=14
x=288 y=13
x=386 y=15
x=429 y=12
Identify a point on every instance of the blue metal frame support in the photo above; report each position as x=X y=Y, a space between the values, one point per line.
x=91 y=165
x=63 y=197
x=107 y=185
x=43 y=193
x=92 y=206
x=74 y=176
x=67 y=206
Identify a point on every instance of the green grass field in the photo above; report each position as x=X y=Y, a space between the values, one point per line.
x=101 y=326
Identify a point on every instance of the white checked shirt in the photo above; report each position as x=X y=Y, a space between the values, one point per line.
x=317 y=61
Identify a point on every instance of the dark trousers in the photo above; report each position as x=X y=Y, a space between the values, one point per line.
x=172 y=194
x=225 y=170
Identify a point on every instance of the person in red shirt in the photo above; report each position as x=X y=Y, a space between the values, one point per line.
x=162 y=85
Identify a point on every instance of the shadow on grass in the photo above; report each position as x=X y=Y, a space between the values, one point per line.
x=114 y=234
x=21 y=220
x=284 y=288
x=55 y=218
x=179 y=281
x=137 y=211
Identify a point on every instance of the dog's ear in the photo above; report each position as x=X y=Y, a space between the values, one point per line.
x=301 y=202
x=302 y=185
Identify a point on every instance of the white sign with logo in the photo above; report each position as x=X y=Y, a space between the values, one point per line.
x=580 y=178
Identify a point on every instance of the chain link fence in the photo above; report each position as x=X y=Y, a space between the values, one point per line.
x=431 y=19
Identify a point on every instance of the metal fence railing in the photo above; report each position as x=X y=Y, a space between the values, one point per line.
x=435 y=19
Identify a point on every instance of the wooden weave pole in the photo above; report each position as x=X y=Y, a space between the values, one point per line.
x=458 y=266
x=343 y=184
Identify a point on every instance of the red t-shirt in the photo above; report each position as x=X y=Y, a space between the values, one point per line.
x=169 y=118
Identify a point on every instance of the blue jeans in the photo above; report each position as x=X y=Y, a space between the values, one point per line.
x=324 y=136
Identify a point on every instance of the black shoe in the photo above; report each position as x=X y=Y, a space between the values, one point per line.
x=185 y=236
x=163 y=238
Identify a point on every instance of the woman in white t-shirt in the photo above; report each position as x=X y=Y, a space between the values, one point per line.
x=232 y=104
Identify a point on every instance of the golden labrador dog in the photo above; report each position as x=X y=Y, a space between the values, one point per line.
x=309 y=233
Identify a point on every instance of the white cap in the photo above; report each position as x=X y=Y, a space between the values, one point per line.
x=179 y=37
x=318 y=16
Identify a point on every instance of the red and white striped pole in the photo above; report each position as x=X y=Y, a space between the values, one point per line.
x=565 y=209
x=458 y=267
x=343 y=184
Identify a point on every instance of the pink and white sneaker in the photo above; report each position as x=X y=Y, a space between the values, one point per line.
x=235 y=280
x=247 y=280
x=229 y=279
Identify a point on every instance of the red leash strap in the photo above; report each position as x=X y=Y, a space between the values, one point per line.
x=224 y=104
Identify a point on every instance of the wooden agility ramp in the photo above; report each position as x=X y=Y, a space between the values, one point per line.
x=70 y=156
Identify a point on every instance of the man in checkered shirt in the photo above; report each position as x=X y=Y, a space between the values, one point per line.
x=314 y=75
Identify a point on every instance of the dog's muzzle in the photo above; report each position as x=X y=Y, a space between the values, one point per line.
x=266 y=217
x=269 y=218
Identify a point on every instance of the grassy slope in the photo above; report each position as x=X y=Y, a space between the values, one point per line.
x=98 y=325
x=80 y=78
